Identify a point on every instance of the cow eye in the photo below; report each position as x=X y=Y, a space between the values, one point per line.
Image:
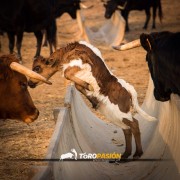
x=23 y=85
x=37 y=69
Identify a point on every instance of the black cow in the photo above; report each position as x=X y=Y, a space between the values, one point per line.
x=62 y=6
x=17 y=16
x=128 y=5
x=163 y=59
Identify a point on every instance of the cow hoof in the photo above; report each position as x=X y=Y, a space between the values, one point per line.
x=90 y=88
x=125 y=156
x=137 y=155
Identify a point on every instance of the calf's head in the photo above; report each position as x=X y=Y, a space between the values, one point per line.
x=45 y=67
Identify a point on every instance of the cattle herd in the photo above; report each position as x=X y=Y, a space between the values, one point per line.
x=128 y=5
x=34 y=16
x=80 y=61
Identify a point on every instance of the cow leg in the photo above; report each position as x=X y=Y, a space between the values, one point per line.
x=137 y=136
x=11 y=37
x=45 y=44
x=39 y=37
x=92 y=99
x=125 y=15
x=134 y=126
x=148 y=15
x=69 y=74
x=154 y=17
x=51 y=35
x=19 y=43
x=128 y=140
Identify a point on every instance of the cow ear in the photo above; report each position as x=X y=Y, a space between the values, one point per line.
x=147 y=42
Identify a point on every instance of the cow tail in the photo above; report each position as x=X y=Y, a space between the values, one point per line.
x=137 y=107
x=160 y=13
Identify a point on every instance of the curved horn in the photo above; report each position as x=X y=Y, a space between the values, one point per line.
x=130 y=45
x=83 y=6
x=122 y=7
x=23 y=70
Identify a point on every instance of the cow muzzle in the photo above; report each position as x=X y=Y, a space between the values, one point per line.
x=33 y=84
x=31 y=118
x=161 y=96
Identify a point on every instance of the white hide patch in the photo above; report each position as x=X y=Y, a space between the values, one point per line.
x=72 y=63
x=110 y=110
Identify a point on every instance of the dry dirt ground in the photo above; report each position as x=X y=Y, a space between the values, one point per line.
x=18 y=140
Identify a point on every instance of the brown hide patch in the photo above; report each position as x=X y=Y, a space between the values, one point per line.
x=77 y=51
x=119 y=95
x=71 y=71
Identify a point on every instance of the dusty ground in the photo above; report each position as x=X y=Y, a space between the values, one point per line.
x=21 y=141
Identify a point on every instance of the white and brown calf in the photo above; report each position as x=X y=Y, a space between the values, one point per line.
x=83 y=64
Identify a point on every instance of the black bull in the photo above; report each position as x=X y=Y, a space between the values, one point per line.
x=18 y=16
x=128 y=5
x=163 y=58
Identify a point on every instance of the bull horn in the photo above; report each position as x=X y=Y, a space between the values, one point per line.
x=130 y=45
x=23 y=70
x=122 y=7
x=83 y=6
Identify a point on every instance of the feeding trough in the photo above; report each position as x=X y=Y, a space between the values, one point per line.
x=79 y=130
x=110 y=34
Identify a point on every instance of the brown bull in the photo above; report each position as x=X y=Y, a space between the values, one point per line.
x=15 y=100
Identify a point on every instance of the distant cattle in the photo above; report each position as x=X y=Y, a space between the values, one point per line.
x=16 y=102
x=128 y=5
x=18 y=16
x=163 y=60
